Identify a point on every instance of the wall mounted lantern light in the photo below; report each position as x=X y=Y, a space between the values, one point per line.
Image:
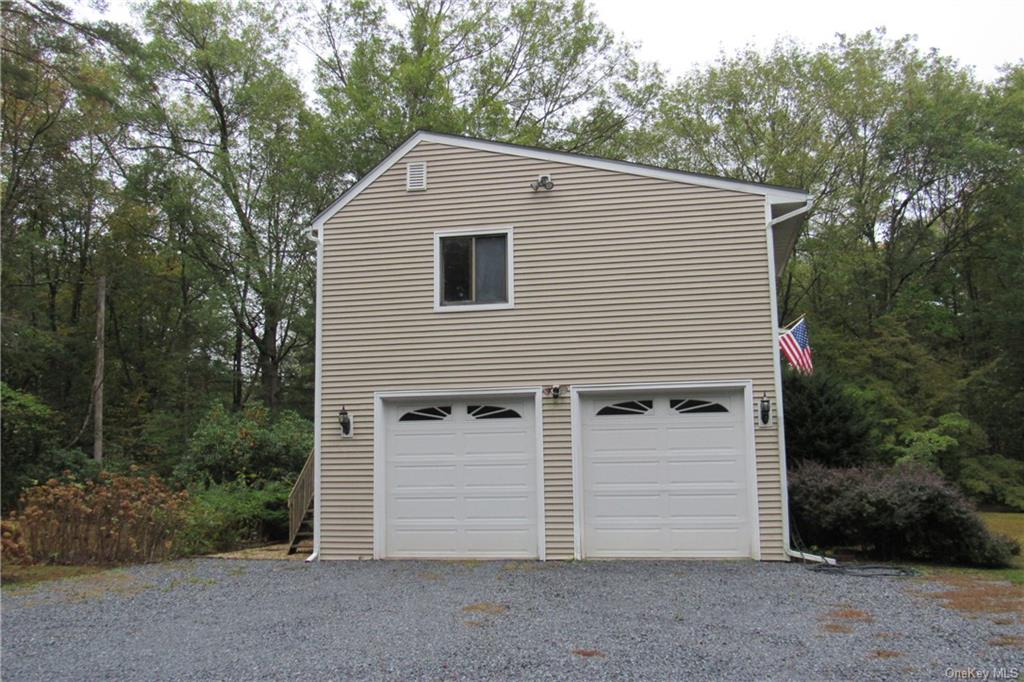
x=345 y=422
x=766 y=410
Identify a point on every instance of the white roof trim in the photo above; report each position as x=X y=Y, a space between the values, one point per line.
x=774 y=195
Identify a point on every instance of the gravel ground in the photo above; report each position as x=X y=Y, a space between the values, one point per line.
x=216 y=619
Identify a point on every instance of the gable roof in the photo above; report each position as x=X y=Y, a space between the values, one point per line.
x=775 y=194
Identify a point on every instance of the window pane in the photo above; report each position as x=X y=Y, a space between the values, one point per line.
x=491 y=269
x=456 y=269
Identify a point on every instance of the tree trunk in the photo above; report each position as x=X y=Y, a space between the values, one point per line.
x=236 y=400
x=269 y=369
x=97 y=382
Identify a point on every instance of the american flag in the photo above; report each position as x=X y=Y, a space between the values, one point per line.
x=796 y=346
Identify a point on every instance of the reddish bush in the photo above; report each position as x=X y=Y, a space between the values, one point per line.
x=906 y=512
x=114 y=519
x=11 y=543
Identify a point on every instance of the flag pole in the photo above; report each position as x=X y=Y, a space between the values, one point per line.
x=793 y=323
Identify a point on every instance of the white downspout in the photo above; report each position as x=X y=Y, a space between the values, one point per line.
x=316 y=232
x=806 y=556
x=779 y=411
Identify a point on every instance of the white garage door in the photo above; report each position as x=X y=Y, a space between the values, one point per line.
x=666 y=475
x=461 y=479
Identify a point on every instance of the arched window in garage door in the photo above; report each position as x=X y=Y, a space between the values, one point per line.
x=491 y=412
x=630 y=407
x=691 y=405
x=422 y=414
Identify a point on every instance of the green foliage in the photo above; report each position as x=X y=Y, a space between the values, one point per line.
x=911 y=264
x=994 y=480
x=944 y=447
x=926 y=448
x=540 y=72
x=30 y=446
x=247 y=159
x=250 y=445
x=905 y=512
x=182 y=161
x=959 y=449
x=826 y=423
x=28 y=424
x=232 y=515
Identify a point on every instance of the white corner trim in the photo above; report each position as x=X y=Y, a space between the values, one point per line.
x=379 y=484
x=779 y=410
x=510 y=268
x=773 y=194
x=753 y=506
x=379 y=447
x=318 y=383
x=575 y=434
x=576 y=440
x=538 y=410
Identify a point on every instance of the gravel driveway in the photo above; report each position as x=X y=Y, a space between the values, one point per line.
x=215 y=619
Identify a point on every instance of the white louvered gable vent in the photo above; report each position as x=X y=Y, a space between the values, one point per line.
x=416 y=176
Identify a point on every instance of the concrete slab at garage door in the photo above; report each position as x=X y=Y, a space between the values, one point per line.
x=461 y=478
x=666 y=475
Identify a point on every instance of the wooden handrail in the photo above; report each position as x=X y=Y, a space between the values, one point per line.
x=299 y=499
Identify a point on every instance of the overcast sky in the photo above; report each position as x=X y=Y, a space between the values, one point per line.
x=678 y=35
x=682 y=33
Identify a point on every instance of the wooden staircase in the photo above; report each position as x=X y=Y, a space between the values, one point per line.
x=300 y=510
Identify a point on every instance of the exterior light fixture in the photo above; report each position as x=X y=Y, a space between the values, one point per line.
x=543 y=182
x=766 y=410
x=345 y=422
x=552 y=391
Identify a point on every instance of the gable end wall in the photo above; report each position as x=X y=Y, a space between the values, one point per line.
x=618 y=279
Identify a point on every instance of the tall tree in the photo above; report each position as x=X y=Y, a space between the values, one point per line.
x=59 y=187
x=541 y=72
x=889 y=140
x=223 y=109
x=912 y=169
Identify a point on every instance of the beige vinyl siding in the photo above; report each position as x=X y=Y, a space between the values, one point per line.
x=618 y=279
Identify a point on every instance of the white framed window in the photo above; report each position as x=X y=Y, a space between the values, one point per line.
x=474 y=269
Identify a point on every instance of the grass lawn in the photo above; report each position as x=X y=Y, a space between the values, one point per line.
x=1011 y=524
x=14 y=575
x=984 y=591
x=1007 y=523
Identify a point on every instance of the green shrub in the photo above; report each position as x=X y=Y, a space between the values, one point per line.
x=249 y=445
x=994 y=480
x=28 y=429
x=960 y=450
x=826 y=423
x=906 y=512
x=228 y=516
x=944 y=447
